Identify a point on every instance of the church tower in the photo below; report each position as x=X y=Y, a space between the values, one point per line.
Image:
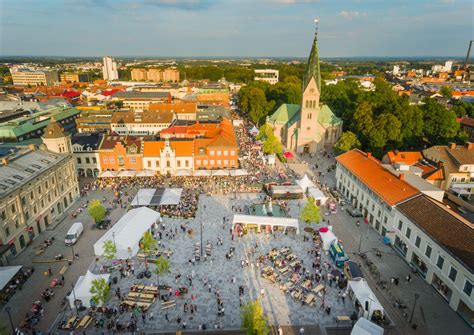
x=56 y=139
x=309 y=133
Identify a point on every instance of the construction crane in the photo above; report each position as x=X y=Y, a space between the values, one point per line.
x=464 y=67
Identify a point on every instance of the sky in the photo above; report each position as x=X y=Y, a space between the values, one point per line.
x=235 y=28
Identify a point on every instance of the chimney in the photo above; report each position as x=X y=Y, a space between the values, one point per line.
x=452 y=145
x=469 y=145
x=401 y=176
x=369 y=154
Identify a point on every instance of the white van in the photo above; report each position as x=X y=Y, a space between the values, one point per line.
x=74 y=233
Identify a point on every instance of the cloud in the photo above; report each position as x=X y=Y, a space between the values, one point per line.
x=180 y=4
x=349 y=15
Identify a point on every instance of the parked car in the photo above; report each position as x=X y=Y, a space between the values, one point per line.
x=104 y=224
x=355 y=213
x=74 y=233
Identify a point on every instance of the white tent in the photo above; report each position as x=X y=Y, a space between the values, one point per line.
x=6 y=274
x=265 y=221
x=305 y=183
x=82 y=288
x=253 y=131
x=363 y=294
x=183 y=173
x=171 y=196
x=327 y=238
x=220 y=172
x=143 y=197
x=365 y=327
x=127 y=173
x=202 y=173
x=108 y=174
x=317 y=195
x=128 y=231
x=145 y=173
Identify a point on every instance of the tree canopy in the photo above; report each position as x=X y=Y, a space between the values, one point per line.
x=271 y=143
x=96 y=210
x=310 y=212
x=346 y=142
x=254 y=321
x=110 y=250
x=148 y=243
x=162 y=266
x=100 y=291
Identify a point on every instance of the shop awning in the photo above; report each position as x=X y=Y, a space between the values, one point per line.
x=127 y=173
x=108 y=174
x=6 y=274
x=265 y=221
x=183 y=173
x=202 y=173
x=220 y=173
x=145 y=173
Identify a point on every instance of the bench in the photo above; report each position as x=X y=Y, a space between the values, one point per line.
x=70 y=323
x=131 y=303
x=168 y=304
x=85 y=322
x=63 y=270
x=342 y=318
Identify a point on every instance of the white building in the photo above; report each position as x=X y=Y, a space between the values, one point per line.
x=448 y=65
x=85 y=148
x=396 y=70
x=427 y=234
x=168 y=157
x=268 y=75
x=109 y=69
x=438 y=243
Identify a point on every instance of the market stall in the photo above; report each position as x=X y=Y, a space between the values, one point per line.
x=81 y=291
x=361 y=293
x=128 y=231
x=265 y=221
x=327 y=237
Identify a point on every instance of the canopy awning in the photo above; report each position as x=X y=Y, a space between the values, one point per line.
x=145 y=173
x=317 y=194
x=365 y=327
x=220 y=172
x=288 y=155
x=82 y=288
x=327 y=237
x=239 y=172
x=127 y=173
x=363 y=294
x=305 y=182
x=108 y=174
x=6 y=274
x=253 y=131
x=171 y=196
x=183 y=173
x=265 y=221
x=128 y=231
x=202 y=173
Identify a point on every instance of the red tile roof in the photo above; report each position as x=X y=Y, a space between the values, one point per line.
x=408 y=157
x=370 y=172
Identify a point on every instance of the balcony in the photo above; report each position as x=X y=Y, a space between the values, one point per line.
x=462 y=185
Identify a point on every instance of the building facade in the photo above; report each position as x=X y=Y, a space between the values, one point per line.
x=117 y=153
x=74 y=77
x=309 y=127
x=94 y=121
x=140 y=123
x=35 y=78
x=467 y=124
x=268 y=75
x=36 y=188
x=85 y=150
x=109 y=69
x=138 y=74
x=141 y=100
x=167 y=156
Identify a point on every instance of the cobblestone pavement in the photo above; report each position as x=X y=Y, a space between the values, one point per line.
x=280 y=308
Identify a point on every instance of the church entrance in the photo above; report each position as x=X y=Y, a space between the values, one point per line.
x=306 y=149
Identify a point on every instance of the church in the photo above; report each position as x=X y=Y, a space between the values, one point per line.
x=309 y=127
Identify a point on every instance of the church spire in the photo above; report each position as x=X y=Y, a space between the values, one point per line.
x=312 y=68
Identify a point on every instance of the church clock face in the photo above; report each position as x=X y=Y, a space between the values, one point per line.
x=311 y=90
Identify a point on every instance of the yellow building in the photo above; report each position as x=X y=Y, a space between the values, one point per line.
x=34 y=78
x=139 y=74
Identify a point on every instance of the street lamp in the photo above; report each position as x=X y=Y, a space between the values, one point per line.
x=113 y=238
x=75 y=300
x=8 y=310
x=202 y=211
x=414 y=305
x=72 y=250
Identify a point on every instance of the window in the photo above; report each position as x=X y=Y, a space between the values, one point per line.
x=149 y=164
x=428 y=251
x=408 y=232
x=168 y=164
x=157 y=163
x=23 y=201
x=179 y=163
x=27 y=216
x=440 y=262
x=120 y=160
x=232 y=153
x=3 y=215
x=13 y=208
x=212 y=152
x=453 y=273
x=186 y=163
x=226 y=153
x=39 y=189
x=112 y=160
x=133 y=160
x=17 y=224
x=7 y=231
x=417 y=241
x=219 y=162
x=79 y=160
x=219 y=153
x=198 y=162
x=467 y=288
x=379 y=213
x=212 y=162
x=106 y=160
x=88 y=161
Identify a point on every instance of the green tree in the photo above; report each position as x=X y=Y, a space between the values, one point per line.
x=110 y=250
x=254 y=103
x=446 y=92
x=254 y=321
x=162 y=266
x=439 y=123
x=100 y=291
x=147 y=244
x=264 y=132
x=346 y=142
x=310 y=212
x=272 y=145
x=96 y=210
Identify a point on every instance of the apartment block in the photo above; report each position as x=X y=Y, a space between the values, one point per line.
x=34 y=78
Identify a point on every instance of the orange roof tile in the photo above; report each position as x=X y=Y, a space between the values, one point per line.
x=371 y=173
x=182 y=148
x=408 y=157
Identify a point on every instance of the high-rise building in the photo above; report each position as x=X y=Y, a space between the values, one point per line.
x=109 y=69
x=268 y=75
x=139 y=74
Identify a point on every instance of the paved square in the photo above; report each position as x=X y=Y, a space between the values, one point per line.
x=219 y=273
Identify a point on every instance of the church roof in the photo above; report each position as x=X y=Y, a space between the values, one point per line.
x=327 y=117
x=54 y=130
x=285 y=113
x=312 y=68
